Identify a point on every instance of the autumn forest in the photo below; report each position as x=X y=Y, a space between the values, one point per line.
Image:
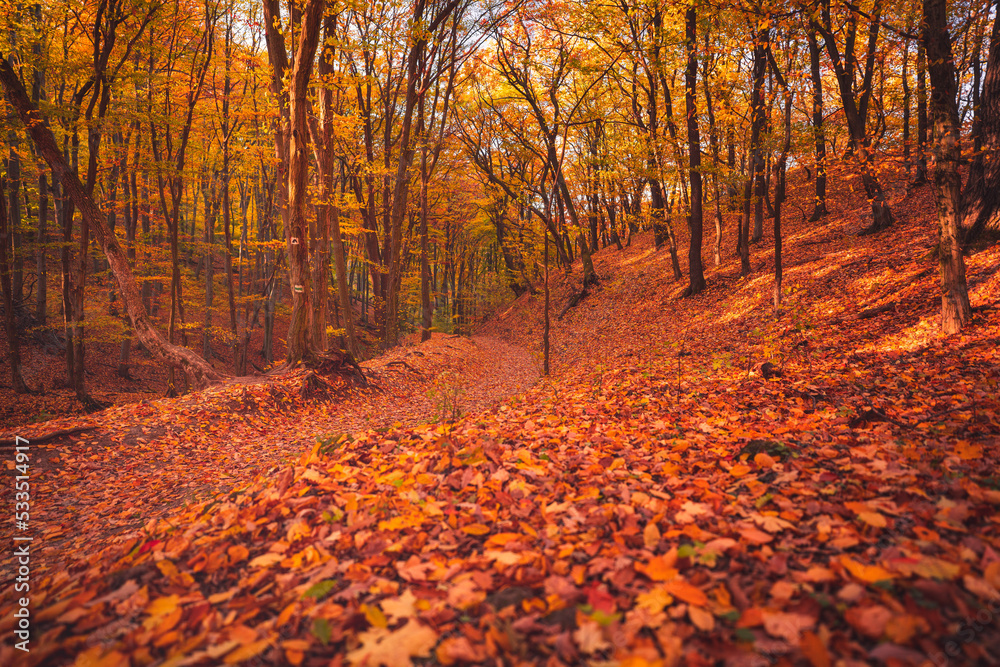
x=524 y=332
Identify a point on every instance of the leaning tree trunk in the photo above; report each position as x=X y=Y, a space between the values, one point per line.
x=955 y=310
x=981 y=199
x=199 y=373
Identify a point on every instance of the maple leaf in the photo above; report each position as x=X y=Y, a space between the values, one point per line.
x=787 y=626
x=590 y=638
x=400 y=607
x=381 y=647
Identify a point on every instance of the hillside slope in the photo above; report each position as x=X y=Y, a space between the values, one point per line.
x=657 y=501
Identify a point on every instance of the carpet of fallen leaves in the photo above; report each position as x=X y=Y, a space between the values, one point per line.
x=703 y=481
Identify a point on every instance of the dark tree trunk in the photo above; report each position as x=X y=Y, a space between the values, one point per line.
x=955 y=309
x=819 y=136
x=755 y=158
x=981 y=199
x=779 y=182
x=695 y=215
x=907 y=95
x=855 y=110
x=713 y=139
x=9 y=308
x=920 y=177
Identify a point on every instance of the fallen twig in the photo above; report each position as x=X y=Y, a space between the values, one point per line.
x=39 y=439
x=400 y=362
x=869 y=313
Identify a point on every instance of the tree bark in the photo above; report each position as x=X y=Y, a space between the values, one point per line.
x=855 y=111
x=819 y=136
x=981 y=198
x=301 y=347
x=696 y=270
x=9 y=310
x=955 y=309
x=920 y=177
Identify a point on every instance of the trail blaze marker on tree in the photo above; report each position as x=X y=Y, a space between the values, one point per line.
x=298 y=289
x=295 y=240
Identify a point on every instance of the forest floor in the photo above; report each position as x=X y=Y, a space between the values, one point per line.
x=663 y=498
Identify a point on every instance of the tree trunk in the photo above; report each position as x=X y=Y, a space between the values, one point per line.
x=14 y=218
x=819 y=209
x=426 y=312
x=855 y=111
x=343 y=283
x=9 y=310
x=920 y=177
x=695 y=214
x=198 y=372
x=981 y=199
x=547 y=326
x=300 y=343
x=713 y=138
x=955 y=309
x=779 y=184
x=755 y=158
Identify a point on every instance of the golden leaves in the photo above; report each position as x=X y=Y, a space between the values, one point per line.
x=869 y=574
x=381 y=647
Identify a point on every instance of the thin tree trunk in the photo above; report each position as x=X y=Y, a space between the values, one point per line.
x=696 y=271
x=920 y=177
x=14 y=218
x=856 y=113
x=9 y=310
x=713 y=138
x=779 y=183
x=37 y=88
x=819 y=135
x=426 y=311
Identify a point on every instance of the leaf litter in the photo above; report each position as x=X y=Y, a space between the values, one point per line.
x=659 y=501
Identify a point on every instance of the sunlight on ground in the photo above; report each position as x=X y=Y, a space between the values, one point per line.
x=638 y=258
x=756 y=292
x=913 y=338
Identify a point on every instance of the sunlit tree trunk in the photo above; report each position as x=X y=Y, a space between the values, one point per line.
x=301 y=347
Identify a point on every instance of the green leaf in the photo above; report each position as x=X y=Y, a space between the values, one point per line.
x=319 y=590
x=322 y=631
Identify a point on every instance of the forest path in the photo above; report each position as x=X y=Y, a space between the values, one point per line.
x=140 y=461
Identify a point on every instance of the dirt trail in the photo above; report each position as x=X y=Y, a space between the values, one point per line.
x=142 y=460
